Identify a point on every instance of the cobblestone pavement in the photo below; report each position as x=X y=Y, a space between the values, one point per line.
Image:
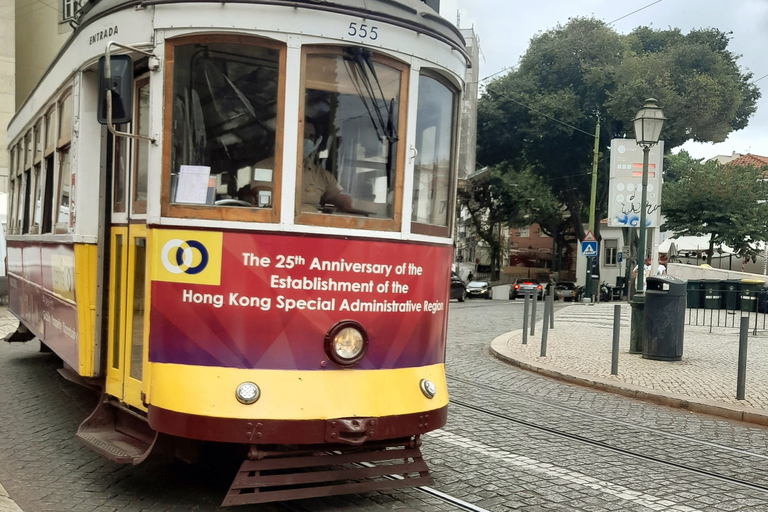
x=579 y=349
x=480 y=457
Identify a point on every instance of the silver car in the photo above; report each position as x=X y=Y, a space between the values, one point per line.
x=479 y=289
x=521 y=287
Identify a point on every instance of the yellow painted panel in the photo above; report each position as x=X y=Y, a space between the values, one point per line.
x=85 y=290
x=180 y=256
x=131 y=385
x=114 y=380
x=291 y=394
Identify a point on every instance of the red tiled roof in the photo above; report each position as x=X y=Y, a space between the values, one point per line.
x=750 y=159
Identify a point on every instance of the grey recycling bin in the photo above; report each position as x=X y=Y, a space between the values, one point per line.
x=664 y=318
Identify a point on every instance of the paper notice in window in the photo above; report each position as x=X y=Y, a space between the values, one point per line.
x=192 y=185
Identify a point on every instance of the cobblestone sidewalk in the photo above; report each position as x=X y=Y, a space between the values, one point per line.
x=579 y=350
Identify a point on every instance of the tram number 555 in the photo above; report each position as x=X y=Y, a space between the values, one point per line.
x=363 y=31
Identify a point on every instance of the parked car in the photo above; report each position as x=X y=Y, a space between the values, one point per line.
x=458 y=288
x=568 y=292
x=479 y=289
x=522 y=286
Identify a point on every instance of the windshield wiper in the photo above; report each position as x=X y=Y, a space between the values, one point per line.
x=385 y=129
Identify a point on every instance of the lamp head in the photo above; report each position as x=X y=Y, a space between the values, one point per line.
x=648 y=123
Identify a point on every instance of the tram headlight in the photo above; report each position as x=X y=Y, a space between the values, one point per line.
x=247 y=393
x=346 y=343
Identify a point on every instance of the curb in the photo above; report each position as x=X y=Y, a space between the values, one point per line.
x=692 y=404
x=6 y=503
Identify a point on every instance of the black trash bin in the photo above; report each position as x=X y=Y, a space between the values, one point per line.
x=712 y=288
x=748 y=296
x=618 y=290
x=762 y=300
x=695 y=291
x=664 y=318
x=730 y=298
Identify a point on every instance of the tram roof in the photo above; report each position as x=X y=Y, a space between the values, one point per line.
x=413 y=14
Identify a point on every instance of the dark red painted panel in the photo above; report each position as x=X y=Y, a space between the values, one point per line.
x=211 y=325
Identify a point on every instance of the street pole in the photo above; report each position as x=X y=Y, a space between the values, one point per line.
x=592 y=200
x=648 y=124
x=638 y=302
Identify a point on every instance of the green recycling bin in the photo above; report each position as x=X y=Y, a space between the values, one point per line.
x=748 y=294
x=695 y=293
x=731 y=294
x=712 y=293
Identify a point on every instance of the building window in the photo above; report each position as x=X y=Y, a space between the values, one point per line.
x=524 y=232
x=610 y=248
x=68 y=9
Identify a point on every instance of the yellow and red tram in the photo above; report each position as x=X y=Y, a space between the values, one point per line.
x=177 y=238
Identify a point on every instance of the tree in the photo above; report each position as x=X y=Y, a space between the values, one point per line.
x=542 y=115
x=727 y=202
x=500 y=196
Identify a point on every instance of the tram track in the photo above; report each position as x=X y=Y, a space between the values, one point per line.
x=610 y=447
x=457 y=503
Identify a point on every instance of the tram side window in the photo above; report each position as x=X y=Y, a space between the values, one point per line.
x=141 y=147
x=18 y=212
x=12 y=199
x=350 y=132
x=28 y=181
x=38 y=166
x=432 y=173
x=63 y=155
x=225 y=112
x=48 y=164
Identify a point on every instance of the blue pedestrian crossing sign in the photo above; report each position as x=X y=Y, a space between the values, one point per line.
x=589 y=248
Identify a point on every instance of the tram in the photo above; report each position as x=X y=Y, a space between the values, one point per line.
x=234 y=219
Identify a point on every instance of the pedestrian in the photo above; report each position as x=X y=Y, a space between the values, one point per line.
x=646 y=272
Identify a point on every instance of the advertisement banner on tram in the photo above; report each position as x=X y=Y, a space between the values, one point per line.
x=261 y=300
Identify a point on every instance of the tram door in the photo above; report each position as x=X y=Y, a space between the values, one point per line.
x=128 y=256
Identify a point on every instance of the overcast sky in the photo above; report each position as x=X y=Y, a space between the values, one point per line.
x=505 y=28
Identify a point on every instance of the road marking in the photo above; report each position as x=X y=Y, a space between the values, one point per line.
x=535 y=466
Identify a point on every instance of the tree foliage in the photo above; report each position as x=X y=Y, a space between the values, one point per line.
x=500 y=196
x=542 y=115
x=727 y=202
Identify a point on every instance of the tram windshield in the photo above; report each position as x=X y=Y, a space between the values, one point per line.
x=352 y=102
x=432 y=174
x=225 y=107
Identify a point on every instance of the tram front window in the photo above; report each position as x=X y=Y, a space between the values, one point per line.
x=350 y=125
x=225 y=109
x=432 y=173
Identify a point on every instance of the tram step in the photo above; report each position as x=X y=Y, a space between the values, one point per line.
x=323 y=473
x=117 y=433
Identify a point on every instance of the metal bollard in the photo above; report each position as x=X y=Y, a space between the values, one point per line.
x=545 y=328
x=535 y=299
x=551 y=307
x=525 y=319
x=741 y=379
x=616 y=332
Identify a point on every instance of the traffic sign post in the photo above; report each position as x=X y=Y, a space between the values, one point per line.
x=589 y=249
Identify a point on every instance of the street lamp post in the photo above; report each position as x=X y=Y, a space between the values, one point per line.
x=648 y=124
